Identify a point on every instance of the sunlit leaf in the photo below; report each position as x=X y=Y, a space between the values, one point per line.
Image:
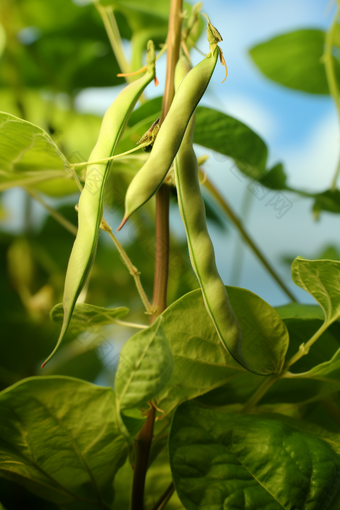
x=201 y=363
x=28 y=155
x=295 y=60
x=321 y=279
x=59 y=439
x=145 y=366
x=222 y=460
x=230 y=137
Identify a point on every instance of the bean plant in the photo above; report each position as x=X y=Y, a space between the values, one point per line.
x=204 y=397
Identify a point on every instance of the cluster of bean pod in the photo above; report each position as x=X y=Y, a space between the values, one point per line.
x=90 y=208
x=173 y=144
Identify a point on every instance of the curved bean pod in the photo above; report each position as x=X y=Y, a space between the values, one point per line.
x=90 y=210
x=201 y=250
x=150 y=177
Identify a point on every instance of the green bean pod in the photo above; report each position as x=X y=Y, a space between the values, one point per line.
x=90 y=209
x=201 y=250
x=150 y=177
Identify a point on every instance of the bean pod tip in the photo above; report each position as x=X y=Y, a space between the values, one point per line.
x=122 y=223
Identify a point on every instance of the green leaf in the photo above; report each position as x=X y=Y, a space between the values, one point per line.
x=59 y=439
x=145 y=366
x=29 y=156
x=201 y=363
x=300 y=311
x=226 y=135
x=275 y=178
x=221 y=460
x=295 y=60
x=328 y=200
x=321 y=279
x=86 y=317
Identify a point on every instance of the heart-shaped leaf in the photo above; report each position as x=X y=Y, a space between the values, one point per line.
x=201 y=363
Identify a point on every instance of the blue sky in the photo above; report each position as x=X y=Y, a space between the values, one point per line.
x=300 y=129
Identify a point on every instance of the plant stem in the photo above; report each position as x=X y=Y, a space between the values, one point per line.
x=130 y=324
x=260 y=392
x=237 y=222
x=269 y=381
x=114 y=37
x=142 y=446
x=304 y=348
x=117 y=156
x=131 y=268
x=164 y=497
x=144 y=439
x=55 y=214
x=162 y=251
x=239 y=245
x=331 y=78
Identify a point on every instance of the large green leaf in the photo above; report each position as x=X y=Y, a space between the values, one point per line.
x=60 y=440
x=221 y=460
x=29 y=156
x=145 y=366
x=295 y=60
x=201 y=363
x=296 y=390
x=226 y=135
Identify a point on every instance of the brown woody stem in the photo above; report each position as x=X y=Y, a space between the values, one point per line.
x=144 y=439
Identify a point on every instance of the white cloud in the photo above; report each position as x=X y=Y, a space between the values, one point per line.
x=312 y=164
x=253 y=114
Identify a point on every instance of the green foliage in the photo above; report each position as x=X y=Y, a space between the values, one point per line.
x=321 y=279
x=60 y=439
x=29 y=156
x=221 y=460
x=295 y=60
x=200 y=361
x=145 y=367
x=230 y=137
